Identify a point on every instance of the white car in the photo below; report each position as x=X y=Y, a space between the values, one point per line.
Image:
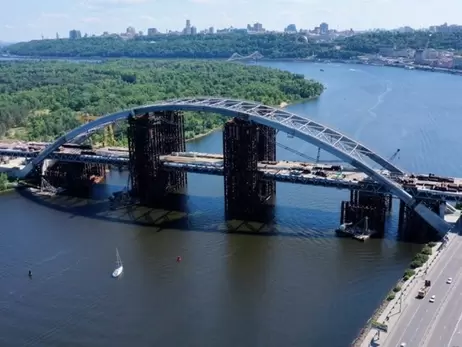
x=403 y=344
x=449 y=281
x=432 y=298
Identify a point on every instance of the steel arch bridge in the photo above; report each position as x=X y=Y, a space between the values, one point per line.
x=326 y=138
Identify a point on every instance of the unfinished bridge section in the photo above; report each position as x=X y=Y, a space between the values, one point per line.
x=244 y=145
x=375 y=206
x=151 y=135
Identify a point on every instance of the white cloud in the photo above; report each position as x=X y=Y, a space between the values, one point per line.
x=8 y=26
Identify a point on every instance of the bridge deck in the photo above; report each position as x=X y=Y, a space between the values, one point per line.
x=420 y=186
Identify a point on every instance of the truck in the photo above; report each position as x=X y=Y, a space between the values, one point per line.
x=423 y=291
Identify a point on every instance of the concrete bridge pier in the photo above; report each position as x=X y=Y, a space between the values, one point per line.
x=413 y=227
x=364 y=204
x=149 y=136
x=244 y=145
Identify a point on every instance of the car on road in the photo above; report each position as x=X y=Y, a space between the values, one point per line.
x=402 y=344
x=432 y=299
x=449 y=281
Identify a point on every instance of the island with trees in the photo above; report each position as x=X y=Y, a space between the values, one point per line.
x=270 y=45
x=41 y=100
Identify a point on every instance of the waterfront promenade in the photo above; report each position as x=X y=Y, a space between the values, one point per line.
x=418 y=322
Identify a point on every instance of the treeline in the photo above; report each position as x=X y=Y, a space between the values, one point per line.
x=162 y=46
x=272 y=46
x=372 y=42
x=42 y=100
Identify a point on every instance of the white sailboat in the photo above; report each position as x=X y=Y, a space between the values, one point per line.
x=120 y=267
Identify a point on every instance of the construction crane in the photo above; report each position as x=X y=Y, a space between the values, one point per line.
x=394 y=155
x=108 y=131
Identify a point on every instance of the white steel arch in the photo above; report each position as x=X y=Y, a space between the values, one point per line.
x=328 y=139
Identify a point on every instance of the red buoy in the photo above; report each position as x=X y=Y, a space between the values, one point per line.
x=178 y=259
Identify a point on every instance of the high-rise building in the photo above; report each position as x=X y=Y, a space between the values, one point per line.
x=131 y=31
x=193 y=30
x=75 y=34
x=152 y=32
x=211 y=30
x=258 y=27
x=187 y=29
x=291 y=28
x=324 y=28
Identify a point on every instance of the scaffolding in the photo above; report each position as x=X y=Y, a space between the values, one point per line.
x=412 y=227
x=75 y=178
x=266 y=152
x=244 y=145
x=376 y=207
x=149 y=136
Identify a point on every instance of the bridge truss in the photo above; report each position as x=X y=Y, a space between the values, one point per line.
x=317 y=134
x=254 y=56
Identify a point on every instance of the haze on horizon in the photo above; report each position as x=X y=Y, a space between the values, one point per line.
x=24 y=20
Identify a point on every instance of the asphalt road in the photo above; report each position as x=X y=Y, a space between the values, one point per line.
x=438 y=324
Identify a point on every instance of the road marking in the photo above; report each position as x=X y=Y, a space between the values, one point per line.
x=457 y=326
x=448 y=261
x=441 y=309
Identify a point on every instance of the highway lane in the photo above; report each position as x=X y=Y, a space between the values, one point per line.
x=418 y=314
x=447 y=327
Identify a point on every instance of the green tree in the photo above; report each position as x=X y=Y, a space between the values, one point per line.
x=47 y=98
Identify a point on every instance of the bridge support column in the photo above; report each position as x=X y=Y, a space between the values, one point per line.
x=364 y=204
x=244 y=144
x=266 y=152
x=76 y=178
x=412 y=227
x=150 y=136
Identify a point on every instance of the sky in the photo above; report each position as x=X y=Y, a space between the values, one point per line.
x=23 y=20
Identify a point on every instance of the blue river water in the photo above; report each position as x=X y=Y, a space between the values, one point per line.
x=293 y=284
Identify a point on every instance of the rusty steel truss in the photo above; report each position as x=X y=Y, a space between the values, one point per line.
x=244 y=145
x=149 y=136
x=76 y=178
x=375 y=206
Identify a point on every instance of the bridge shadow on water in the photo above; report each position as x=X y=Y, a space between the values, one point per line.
x=196 y=214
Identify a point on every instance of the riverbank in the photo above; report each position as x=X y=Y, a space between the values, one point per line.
x=98 y=60
x=200 y=136
x=394 y=300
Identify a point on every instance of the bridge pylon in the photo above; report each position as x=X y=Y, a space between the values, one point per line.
x=244 y=145
x=151 y=135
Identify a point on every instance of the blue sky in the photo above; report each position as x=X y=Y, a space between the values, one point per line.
x=29 y=19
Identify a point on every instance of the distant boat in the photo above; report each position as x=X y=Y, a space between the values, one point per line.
x=120 y=267
x=321 y=70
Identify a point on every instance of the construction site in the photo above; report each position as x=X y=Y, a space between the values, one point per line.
x=158 y=164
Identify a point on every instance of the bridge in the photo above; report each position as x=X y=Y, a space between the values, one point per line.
x=254 y=56
x=249 y=138
x=307 y=173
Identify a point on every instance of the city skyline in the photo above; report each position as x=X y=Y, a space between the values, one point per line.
x=26 y=19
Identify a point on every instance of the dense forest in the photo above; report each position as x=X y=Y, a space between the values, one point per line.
x=272 y=46
x=42 y=100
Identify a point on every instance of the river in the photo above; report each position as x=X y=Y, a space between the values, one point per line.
x=295 y=285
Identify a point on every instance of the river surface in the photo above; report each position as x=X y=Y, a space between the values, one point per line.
x=296 y=284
